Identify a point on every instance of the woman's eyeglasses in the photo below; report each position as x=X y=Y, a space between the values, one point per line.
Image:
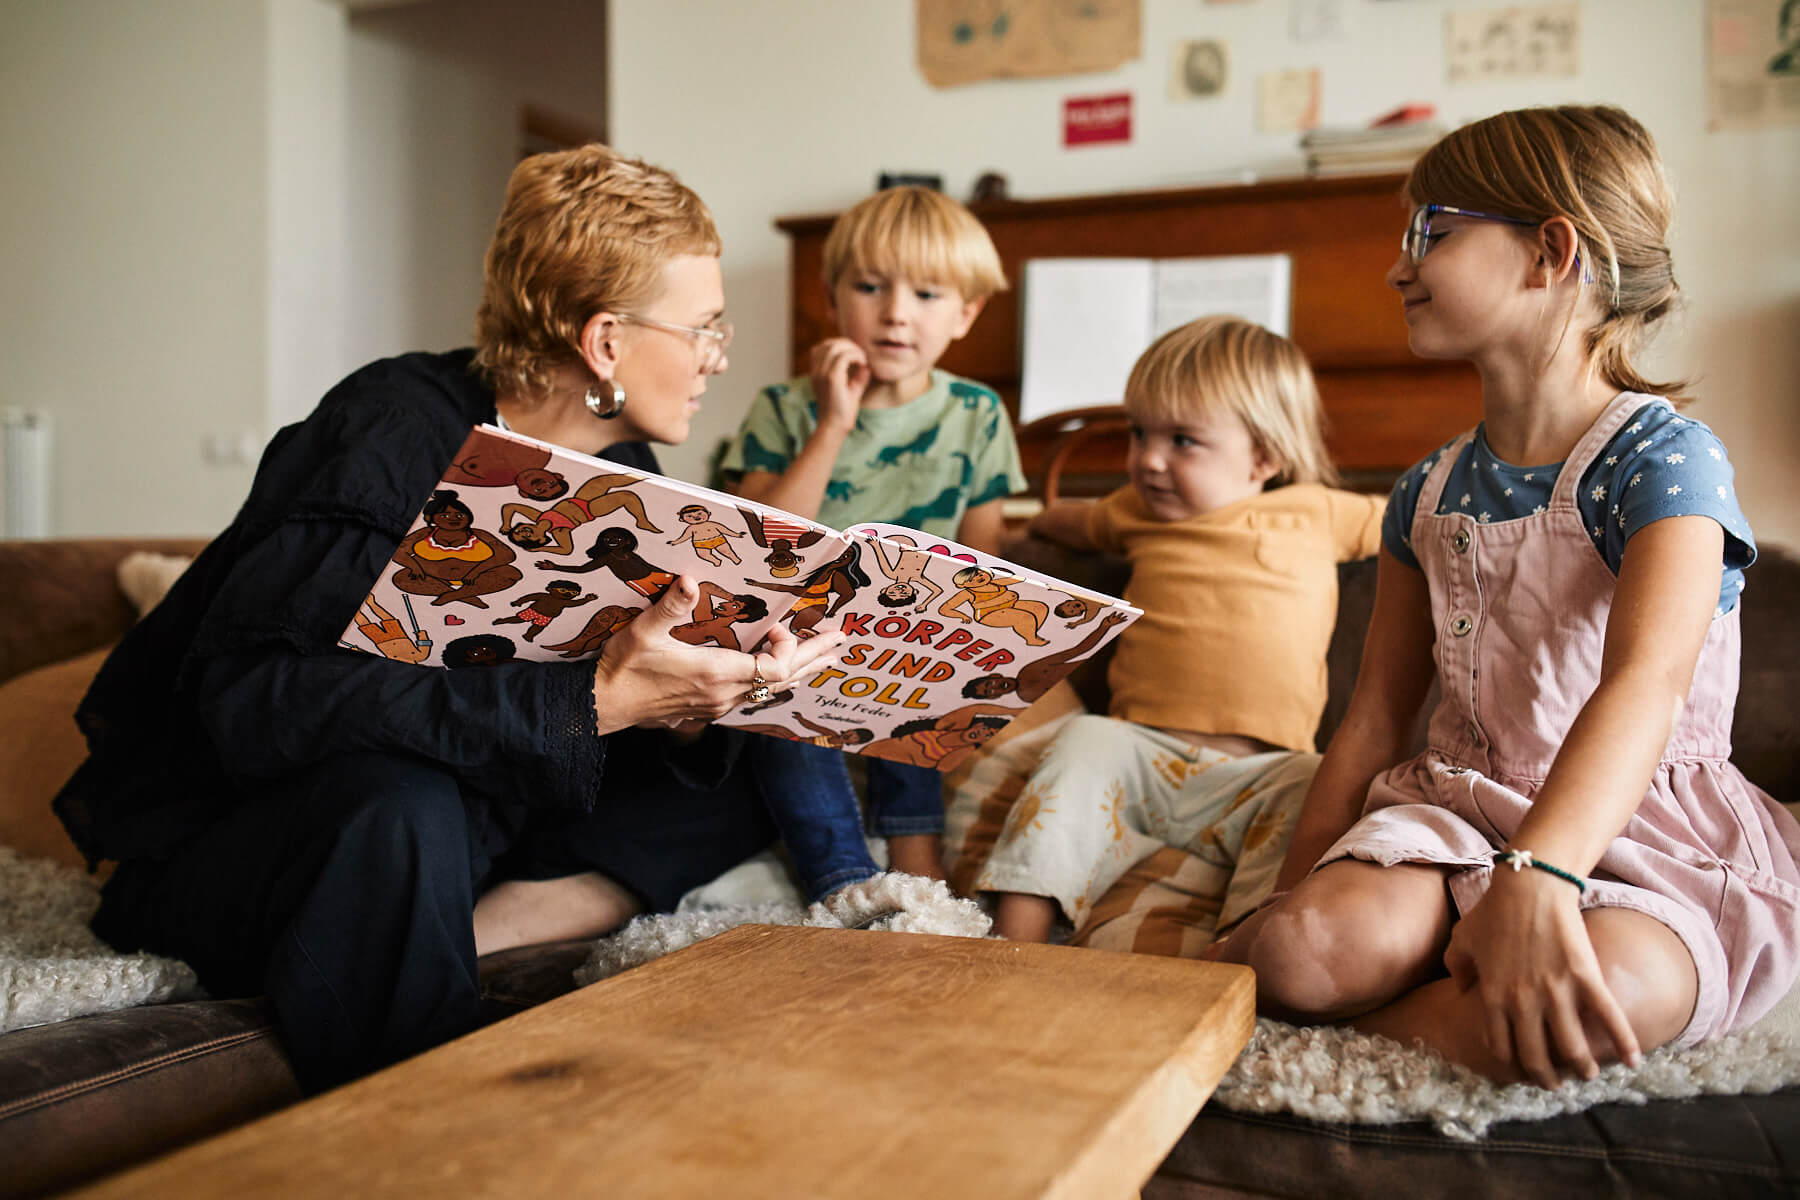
x=1416 y=241
x=712 y=341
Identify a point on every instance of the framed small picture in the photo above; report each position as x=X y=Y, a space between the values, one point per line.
x=1199 y=70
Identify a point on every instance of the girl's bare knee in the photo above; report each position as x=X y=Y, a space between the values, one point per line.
x=1649 y=972
x=1353 y=936
x=1297 y=958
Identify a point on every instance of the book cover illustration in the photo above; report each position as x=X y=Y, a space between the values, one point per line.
x=946 y=646
x=528 y=551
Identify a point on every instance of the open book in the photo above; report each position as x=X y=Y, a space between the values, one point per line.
x=1086 y=320
x=530 y=551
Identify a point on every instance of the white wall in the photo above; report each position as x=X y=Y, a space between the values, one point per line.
x=793 y=106
x=133 y=232
x=214 y=209
x=307 y=250
x=436 y=95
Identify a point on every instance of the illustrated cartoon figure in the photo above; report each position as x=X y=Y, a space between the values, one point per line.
x=826 y=590
x=715 y=615
x=991 y=602
x=379 y=626
x=823 y=735
x=594 y=635
x=552 y=529
x=942 y=742
x=780 y=539
x=710 y=539
x=543 y=607
x=616 y=550
x=489 y=461
x=1078 y=610
x=1036 y=678
x=478 y=650
x=450 y=559
x=907 y=573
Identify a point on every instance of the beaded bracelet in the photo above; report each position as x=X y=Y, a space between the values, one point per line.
x=1518 y=860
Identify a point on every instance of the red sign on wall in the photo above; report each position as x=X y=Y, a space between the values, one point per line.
x=1088 y=120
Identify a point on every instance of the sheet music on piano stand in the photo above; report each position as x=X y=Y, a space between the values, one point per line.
x=1086 y=320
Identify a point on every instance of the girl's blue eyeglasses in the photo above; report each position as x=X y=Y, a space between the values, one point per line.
x=1416 y=242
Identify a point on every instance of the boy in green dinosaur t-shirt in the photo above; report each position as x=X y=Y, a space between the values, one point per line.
x=876 y=432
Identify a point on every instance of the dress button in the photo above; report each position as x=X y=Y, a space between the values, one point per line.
x=1461 y=541
x=1461 y=625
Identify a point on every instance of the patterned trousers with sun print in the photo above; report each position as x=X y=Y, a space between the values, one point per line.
x=1109 y=794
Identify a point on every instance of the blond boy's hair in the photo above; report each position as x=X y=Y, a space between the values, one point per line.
x=1597 y=167
x=581 y=231
x=1228 y=364
x=920 y=235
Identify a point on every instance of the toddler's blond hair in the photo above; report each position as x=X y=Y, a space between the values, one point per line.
x=1228 y=364
x=581 y=231
x=918 y=234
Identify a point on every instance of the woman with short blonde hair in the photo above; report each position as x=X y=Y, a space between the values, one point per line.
x=344 y=833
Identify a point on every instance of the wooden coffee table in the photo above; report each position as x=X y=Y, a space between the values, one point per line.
x=775 y=1062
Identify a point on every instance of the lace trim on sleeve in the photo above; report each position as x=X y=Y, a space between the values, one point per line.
x=574 y=756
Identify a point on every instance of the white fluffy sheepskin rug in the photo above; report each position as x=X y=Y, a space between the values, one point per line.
x=52 y=967
x=892 y=901
x=1334 y=1074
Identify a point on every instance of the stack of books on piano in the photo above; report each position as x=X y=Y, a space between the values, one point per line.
x=1389 y=143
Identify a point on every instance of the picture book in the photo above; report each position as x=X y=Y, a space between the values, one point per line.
x=529 y=551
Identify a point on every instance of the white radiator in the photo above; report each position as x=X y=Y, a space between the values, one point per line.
x=24 y=473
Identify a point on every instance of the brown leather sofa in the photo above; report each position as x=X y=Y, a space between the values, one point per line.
x=86 y=1096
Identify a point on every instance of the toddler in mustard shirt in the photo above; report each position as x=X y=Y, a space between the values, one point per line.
x=1234 y=536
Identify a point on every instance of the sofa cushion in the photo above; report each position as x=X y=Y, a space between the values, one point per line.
x=40 y=747
x=83 y=1097
x=1716 y=1146
x=65 y=598
x=87 y=1096
x=1765 y=738
x=526 y=976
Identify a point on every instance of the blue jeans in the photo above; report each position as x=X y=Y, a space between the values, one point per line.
x=809 y=793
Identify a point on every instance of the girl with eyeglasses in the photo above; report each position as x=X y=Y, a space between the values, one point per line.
x=1573 y=872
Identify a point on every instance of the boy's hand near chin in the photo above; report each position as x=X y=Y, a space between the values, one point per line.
x=840 y=376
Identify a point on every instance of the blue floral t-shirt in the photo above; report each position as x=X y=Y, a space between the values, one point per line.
x=1660 y=464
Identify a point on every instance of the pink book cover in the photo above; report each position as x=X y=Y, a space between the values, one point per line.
x=525 y=550
x=946 y=646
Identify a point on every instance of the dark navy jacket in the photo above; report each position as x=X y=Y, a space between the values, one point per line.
x=237 y=675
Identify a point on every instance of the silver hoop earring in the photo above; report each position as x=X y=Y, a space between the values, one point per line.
x=604 y=406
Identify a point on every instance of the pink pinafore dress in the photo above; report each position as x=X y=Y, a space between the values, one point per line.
x=1520 y=611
